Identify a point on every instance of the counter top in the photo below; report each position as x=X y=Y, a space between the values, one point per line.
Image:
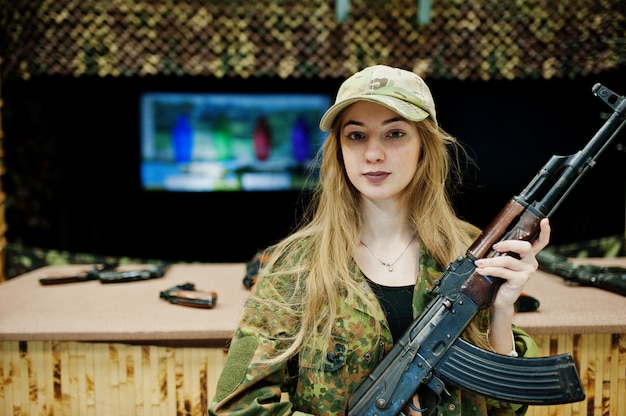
x=570 y=309
x=129 y=311
x=133 y=311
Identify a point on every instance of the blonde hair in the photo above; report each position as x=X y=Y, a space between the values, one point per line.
x=319 y=254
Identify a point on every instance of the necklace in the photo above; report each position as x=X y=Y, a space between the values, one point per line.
x=389 y=266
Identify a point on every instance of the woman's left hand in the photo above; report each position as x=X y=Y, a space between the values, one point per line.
x=515 y=272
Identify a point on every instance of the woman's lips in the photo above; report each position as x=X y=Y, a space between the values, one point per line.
x=376 y=177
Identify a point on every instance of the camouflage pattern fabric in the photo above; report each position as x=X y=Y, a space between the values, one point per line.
x=247 y=387
x=257 y=261
x=608 y=247
x=22 y=259
x=461 y=40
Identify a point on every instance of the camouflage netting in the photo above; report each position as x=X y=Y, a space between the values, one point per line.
x=465 y=40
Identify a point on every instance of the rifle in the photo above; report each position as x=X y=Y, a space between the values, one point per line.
x=108 y=273
x=431 y=351
x=607 y=278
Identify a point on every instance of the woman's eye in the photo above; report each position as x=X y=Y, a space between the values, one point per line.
x=355 y=136
x=396 y=134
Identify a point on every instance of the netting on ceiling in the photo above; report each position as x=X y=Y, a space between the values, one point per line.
x=486 y=39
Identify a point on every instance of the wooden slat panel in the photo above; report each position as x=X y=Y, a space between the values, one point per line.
x=601 y=361
x=75 y=378
x=618 y=375
x=56 y=377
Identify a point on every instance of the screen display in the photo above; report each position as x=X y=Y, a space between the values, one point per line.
x=204 y=142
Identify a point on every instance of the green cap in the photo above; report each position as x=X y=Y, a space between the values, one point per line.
x=401 y=91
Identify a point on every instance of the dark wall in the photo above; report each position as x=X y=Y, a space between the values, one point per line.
x=72 y=160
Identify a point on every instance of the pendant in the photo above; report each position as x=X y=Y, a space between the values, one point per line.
x=389 y=266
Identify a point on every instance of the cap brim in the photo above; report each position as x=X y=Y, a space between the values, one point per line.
x=405 y=109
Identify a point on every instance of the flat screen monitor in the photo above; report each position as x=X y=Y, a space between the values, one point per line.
x=208 y=142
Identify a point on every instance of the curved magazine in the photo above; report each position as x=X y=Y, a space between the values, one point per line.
x=532 y=381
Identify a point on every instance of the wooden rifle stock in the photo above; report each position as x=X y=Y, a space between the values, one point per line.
x=482 y=290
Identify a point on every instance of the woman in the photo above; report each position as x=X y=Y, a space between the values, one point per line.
x=336 y=293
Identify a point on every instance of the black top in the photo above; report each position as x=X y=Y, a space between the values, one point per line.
x=396 y=302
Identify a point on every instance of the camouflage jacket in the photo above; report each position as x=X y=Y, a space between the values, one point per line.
x=296 y=388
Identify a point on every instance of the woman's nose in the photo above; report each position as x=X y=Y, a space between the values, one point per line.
x=374 y=151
